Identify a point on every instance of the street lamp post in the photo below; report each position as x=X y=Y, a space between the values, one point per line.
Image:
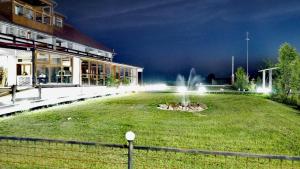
x=247 y=39
x=130 y=137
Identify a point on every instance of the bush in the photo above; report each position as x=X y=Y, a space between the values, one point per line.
x=241 y=82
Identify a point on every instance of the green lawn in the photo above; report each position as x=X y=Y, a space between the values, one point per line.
x=238 y=123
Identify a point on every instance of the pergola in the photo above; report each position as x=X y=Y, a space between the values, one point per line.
x=270 y=77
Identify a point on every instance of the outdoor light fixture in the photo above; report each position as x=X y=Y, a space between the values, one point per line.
x=156 y=87
x=129 y=136
x=202 y=90
x=263 y=90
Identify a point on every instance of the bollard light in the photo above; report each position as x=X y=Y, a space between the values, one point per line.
x=129 y=136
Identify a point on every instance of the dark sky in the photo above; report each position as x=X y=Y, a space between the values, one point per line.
x=168 y=37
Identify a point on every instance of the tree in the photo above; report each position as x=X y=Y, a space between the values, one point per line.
x=258 y=81
x=241 y=81
x=295 y=85
x=288 y=81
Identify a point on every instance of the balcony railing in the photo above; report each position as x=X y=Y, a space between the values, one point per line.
x=18 y=42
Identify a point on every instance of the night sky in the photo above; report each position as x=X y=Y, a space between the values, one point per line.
x=168 y=37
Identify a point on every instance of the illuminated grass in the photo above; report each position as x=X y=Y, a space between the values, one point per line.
x=231 y=123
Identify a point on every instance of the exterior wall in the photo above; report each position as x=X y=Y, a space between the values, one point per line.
x=22 y=20
x=12 y=69
x=32 y=24
x=6 y=8
x=76 y=71
x=17 y=65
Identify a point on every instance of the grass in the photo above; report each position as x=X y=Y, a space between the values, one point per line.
x=237 y=123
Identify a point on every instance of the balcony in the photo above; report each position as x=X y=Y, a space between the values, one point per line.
x=37 y=17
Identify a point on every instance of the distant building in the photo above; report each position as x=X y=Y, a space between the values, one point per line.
x=37 y=47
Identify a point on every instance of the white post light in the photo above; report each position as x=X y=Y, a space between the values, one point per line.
x=130 y=136
x=247 y=39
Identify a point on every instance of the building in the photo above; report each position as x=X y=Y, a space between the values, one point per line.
x=38 y=47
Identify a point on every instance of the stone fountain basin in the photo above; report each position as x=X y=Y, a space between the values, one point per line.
x=192 y=107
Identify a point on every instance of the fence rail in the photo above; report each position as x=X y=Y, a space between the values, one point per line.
x=18 y=152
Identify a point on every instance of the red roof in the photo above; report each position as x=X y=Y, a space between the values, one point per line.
x=70 y=33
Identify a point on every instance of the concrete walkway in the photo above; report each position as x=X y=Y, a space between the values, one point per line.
x=29 y=99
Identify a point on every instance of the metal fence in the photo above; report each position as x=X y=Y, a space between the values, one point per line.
x=16 y=152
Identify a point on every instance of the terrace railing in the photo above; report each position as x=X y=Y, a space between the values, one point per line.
x=7 y=40
x=16 y=152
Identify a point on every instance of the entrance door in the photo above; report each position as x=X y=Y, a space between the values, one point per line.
x=24 y=75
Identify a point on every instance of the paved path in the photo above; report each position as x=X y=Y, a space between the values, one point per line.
x=29 y=100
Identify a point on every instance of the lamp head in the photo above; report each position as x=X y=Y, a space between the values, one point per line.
x=130 y=136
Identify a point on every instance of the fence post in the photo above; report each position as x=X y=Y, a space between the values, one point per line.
x=130 y=137
x=40 y=91
x=13 y=93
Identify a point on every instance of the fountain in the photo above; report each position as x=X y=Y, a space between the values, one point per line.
x=184 y=88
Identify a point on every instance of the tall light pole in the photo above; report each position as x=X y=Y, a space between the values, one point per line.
x=247 y=39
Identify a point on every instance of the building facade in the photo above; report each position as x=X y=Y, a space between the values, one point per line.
x=37 y=47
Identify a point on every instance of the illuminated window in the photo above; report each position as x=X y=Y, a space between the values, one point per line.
x=28 y=13
x=19 y=10
x=58 y=22
x=42 y=58
x=55 y=59
x=22 y=33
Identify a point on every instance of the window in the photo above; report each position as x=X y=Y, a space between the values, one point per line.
x=117 y=75
x=55 y=59
x=30 y=35
x=10 y=30
x=19 y=10
x=23 y=69
x=70 y=45
x=42 y=74
x=100 y=74
x=47 y=10
x=42 y=58
x=1 y=28
x=58 y=22
x=66 y=61
x=56 y=74
x=46 y=19
x=58 y=70
x=22 y=33
x=38 y=17
x=93 y=76
x=122 y=73
x=40 y=37
x=85 y=72
x=28 y=13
